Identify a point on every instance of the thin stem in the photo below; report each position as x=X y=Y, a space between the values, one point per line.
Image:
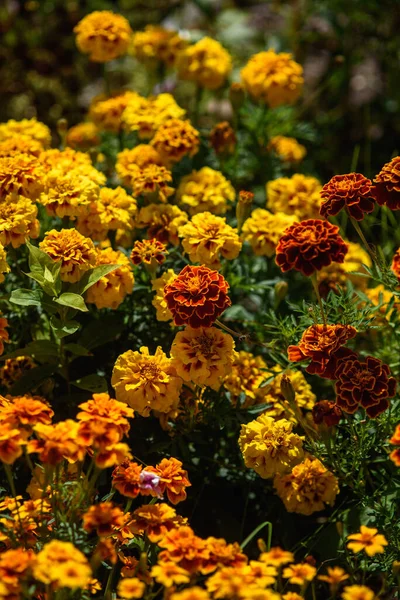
x=364 y=241
x=314 y=281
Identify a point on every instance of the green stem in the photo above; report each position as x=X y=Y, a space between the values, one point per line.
x=314 y=281
x=364 y=241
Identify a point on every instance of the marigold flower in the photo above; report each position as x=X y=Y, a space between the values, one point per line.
x=126 y=478
x=3 y=333
x=23 y=412
x=76 y=253
x=269 y=447
x=357 y=592
x=162 y=222
x=300 y=573
x=131 y=587
x=222 y=554
x=264 y=229
x=14 y=368
x=287 y=149
x=21 y=174
x=104 y=518
x=111 y=290
x=395 y=439
x=159 y=302
x=62 y=565
x=15 y=565
x=175 y=139
x=103 y=409
x=149 y=252
x=83 y=136
x=292 y=596
x=68 y=161
x=18 y=220
x=146 y=382
x=396 y=264
x=114 y=209
x=28 y=128
x=310 y=245
x=192 y=593
x=169 y=574
x=368 y=540
x=308 y=488
x=223 y=138
x=277 y=557
x=247 y=581
x=272 y=393
x=20 y=145
x=197 y=296
x=11 y=442
x=103 y=35
x=335 y=576
x=106 y=112
x=380 y=297
x=395 y=456
x=320 y=343
x=206 y=63
x=147 y=115
x=156 y=43
x=151 y=181
x=203 y=355
x=298 y=195
x=326 y=412
x=352 y=192
x=4 y=267
x=248 y=373
x=131 y=161
x=365 y=384
x=273 y=78
x=68 y=195
x=153 y=520
x=205 y=190
x=173 y=479
x=386 y=185
x=57 y=442
x=338 y=275
x=184 y=548
x=207 y=238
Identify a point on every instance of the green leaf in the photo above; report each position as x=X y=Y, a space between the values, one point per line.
x=61 y=330
x=91 y=277
x=72 y=301
x=42 y=350
x=97 y=333
x=93 y=383
x=77 y=349
x=38 y=259
x=30 y=380
x=24 y=297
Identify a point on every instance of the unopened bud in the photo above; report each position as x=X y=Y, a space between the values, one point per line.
x=262 y=546
x=237 y=95
x=281 y=290
x=287 y=389
x=396 y=567
x=223 y=138
x=243 y=208
x=339 y=528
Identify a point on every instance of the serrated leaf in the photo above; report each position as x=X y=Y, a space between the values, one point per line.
x=93 y=383
x=72 y=301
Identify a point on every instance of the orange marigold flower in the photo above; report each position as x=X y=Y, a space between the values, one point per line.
x=395 y=456
x=103 y=35
x=162 y=222
x=83 y=136
x=396 y=264
x=146 y=382
x=11 y=442
x=335 y=576
x=351 y=192
x=357 y=592
x=154 y=520
x=76 y=253
x=395 y=439
x=57 y=442
x=367 y=384
x=169 y=574
x=277 y=557
x=15 y=565
x=104 y=518
x=126 y=478
x=150 y=252
x=223 y=138
x=21 y=174
x=386 y=185
x=129 y=160
x=151 y=181
x=207 y=63
x=15 y=368
x=131 y=587
x=320 y=344
x=28 y=128
x=222 y=554
x=174 y=140
x=68 y=195
x=300 y=573
x=4 y=337
x=103 y=408
x=20 y=145
x=26 y=411
x=173 y=479
x=106 y=112
x=111 y=290
x=18 y=220
x=192 y=593
x=310 y=245
x=183 y=547
x=112 y=455
x=326 y=412
x=197 y=296
x=368 y=540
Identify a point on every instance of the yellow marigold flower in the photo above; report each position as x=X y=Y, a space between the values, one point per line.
x=205 y=190
x=159 y=302
x=206 y=63
x=247 y=581
x=162 y=222
x=146 y=115
x=146 y=382
x=141 y=156
x=357 y=592
x=3 y=333
x=103 y=35
x=300 y=573
x=288 y=149
x=106 y=112
x=75 y=252
x=20 y=145
x=29 y=128
x=149 y=252
x=114 y=209
x=68 y=195
x=152 y=182
x=174 y=140
x=298 y=195
x=369 y=540
x=169 y=574
x=207 y=238
x=292 y=596
x=131 y=587
x=248 y=372
x=83 y=136
x=203 y=355
x=335 y=576
x=14 y=368
x=380 y=296
x=269 y=447
x=192 y=593
x=277 y=557
x=69 y=160
x=308 y=488
x=18 y=220
x=273 y=78
x=263 y=230
x=111 y=290
x=304 y=399
x=62 y=565
x=157 y=44
x=11 y=442
x=21 y=174
x=4 y=268
x=338 y=274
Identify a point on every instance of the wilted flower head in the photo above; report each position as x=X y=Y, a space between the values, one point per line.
x=223 y=138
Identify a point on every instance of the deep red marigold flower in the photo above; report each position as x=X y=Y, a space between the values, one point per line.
x=197 y=296
x=365 y=384
x=326 y=412
x=351 y=191
x=310 y=245
x=396 y=264
x=322 y=344
x=386 y=187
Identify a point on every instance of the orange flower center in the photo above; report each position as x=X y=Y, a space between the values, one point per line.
x=193 y=284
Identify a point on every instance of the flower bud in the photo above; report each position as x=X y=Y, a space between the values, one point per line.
x=281 y=290
x=243 y=208
x=223 y=138
x=262 y=546
x=287 y=389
